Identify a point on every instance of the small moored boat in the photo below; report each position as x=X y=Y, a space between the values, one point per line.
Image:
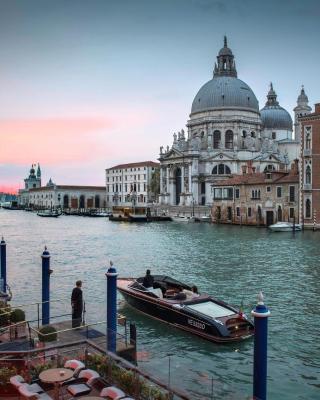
x=49 y=213
x=285 y=227
x=201 y=315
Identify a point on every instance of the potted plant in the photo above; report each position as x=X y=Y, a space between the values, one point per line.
x=47 y=333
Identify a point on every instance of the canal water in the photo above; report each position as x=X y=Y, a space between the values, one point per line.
x=233 y=263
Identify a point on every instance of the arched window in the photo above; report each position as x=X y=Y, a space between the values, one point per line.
x=221 y=169
x=308 y=208
x=269 y=168
x=216 y=139
x=253 y=134
x=82 y=201
x=65 y=201
x=229 y=140
x=308 y=141
x=308 y=174
x=244 y=134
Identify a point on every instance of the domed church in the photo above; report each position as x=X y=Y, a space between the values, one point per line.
x=226 y=134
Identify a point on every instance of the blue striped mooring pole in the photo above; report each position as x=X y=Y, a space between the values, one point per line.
x=111 y=308
x=45 y=287
x=3 y=260
x=260 y=314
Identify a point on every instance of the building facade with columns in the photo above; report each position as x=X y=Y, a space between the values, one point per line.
x=225 y=131
x=310 y=169
x=130 y=184
x=67 y=197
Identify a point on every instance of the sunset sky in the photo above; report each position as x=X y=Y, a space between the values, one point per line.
x=88 y=84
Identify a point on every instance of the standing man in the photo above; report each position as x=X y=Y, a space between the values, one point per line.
x=77 y=305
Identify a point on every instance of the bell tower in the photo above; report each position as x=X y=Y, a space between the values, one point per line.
x=300 y=110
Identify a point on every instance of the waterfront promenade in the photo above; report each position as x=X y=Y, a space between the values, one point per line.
x=230 y=262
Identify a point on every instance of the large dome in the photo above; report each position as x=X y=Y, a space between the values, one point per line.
x=225 y=92
x=273 y=116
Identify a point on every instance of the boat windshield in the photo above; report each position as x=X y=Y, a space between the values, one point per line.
x=211 y=309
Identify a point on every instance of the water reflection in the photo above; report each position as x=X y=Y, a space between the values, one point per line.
x=233 y=263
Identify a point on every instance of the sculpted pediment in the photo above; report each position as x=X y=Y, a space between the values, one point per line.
x=221 y=156
x=173 y=153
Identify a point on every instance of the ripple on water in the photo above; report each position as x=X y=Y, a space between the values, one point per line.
x=233 y=263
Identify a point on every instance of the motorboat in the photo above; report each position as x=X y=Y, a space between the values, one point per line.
x=201 y=315
x=205 y=218
x=184 y=218
x=285 y=227
x=49 y=213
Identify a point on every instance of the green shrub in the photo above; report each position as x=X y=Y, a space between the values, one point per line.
x=47 y=333
x=4 y=314
x=17 y=315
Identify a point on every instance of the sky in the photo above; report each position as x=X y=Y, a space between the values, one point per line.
x=85 y=85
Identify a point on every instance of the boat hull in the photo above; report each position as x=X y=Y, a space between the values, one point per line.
x=178 y=316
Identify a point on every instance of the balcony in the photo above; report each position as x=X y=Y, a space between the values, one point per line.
x=307 y=186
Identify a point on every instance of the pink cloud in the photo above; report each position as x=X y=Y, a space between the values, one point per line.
x=52 y=140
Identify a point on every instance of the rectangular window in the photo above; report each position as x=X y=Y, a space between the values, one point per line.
x=144 y=187
x=237 y=191
x=238 y=211
x=125 y=187
x=217 y=193
x=249 y=212
x=268 y=189
x=279 y=191
x=291 y=212
x=144 y=176
x=291 y=193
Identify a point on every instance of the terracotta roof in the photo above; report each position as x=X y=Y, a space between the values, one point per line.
x=137 y=164
x=67 y=187
x=259 y=179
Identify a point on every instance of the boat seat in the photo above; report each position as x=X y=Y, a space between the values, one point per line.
x=157 y=292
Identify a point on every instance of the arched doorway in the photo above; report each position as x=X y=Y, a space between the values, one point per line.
x=279 y=213
x=97 y=201
x=65 y=201
x=178 y=185
x=81 y=201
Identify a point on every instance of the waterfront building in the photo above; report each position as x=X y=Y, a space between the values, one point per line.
x=59 y=196
x=310 y=169
x=32 y=181
x=131 y=184
x=257 y=198
x=67 y=196
x=225 y=130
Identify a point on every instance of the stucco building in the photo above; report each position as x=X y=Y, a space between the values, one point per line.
x=259 y=199
x=130 y=184
x=30 y=182
x=310 y=169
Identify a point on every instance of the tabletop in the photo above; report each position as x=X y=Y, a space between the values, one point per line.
x=90 y=398
x=55 y=375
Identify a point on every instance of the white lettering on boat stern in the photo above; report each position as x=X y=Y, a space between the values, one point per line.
x=196 y=324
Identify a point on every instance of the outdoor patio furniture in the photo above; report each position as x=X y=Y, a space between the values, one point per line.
x=25 y=393
x=18 y=380
x=84 y=388
x=56 y=376
x=112 y=392
x=75 y=365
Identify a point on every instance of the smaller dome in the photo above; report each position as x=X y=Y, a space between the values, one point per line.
x=225 y=51
x=276 y=117
x=273 y=116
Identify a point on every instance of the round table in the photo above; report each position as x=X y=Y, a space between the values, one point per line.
x=90 y=398
x=56 y=376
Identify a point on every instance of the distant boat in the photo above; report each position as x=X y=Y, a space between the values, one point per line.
x=49 y=213
x=205 y=218
x=285 y=227
x=184 y=218
x=10 y=205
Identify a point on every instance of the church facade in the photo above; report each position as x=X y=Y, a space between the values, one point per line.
x=226 y=134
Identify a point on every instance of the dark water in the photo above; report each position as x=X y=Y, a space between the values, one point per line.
x=232 y=263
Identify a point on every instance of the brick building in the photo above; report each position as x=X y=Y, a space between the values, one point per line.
x=259 y=199
x=310 y=169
